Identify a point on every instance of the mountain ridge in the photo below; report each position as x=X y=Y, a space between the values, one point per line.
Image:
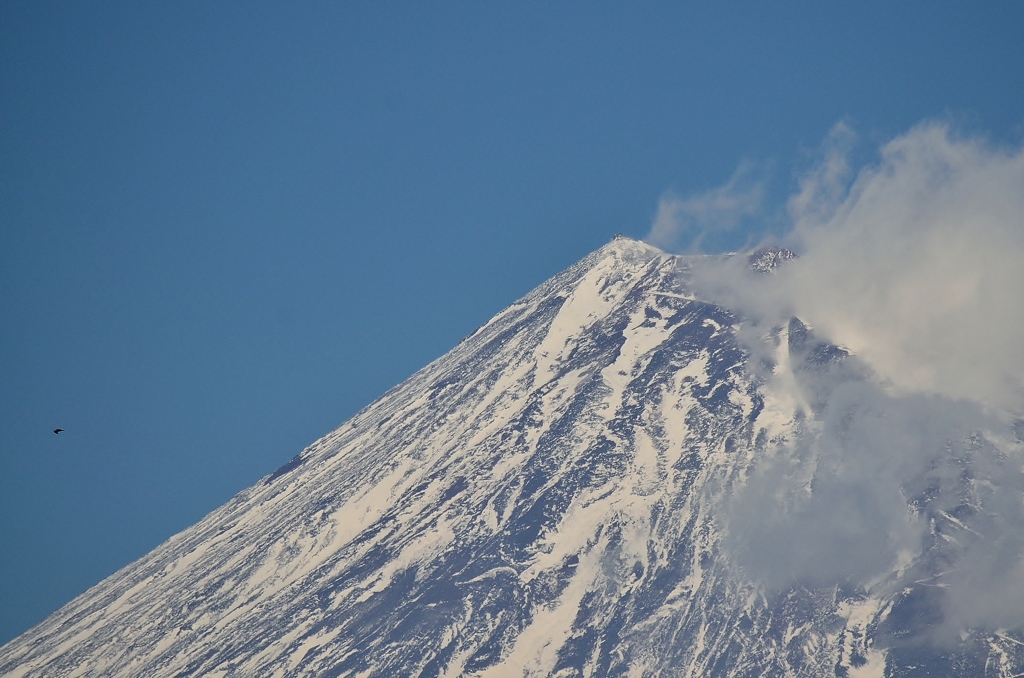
x=544 y=499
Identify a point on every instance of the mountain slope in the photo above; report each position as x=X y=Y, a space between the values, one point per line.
x=545 y=499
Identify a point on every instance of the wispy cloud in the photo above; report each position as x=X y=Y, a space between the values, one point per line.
x=684 y=222
x=908 y=452
x=824 y=188
x=919 y=269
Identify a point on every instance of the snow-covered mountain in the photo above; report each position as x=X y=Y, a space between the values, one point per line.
x=544 y=500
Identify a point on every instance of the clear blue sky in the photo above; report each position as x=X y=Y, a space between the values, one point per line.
x=226 y=227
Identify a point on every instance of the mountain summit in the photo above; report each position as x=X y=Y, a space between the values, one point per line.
x=543 y=500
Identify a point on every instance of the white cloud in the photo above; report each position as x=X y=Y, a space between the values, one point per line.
x=823 y=188
x=720 y=209
x=919 y=268
x=916 y=265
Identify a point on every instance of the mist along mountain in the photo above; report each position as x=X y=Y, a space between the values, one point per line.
x=544 y=500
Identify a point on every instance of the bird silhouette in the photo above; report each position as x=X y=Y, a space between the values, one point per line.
x=57 y=430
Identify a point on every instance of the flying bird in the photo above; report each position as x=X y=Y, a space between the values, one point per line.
x=57 y=430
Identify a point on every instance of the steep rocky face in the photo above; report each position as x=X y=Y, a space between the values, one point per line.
x=545 y=499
